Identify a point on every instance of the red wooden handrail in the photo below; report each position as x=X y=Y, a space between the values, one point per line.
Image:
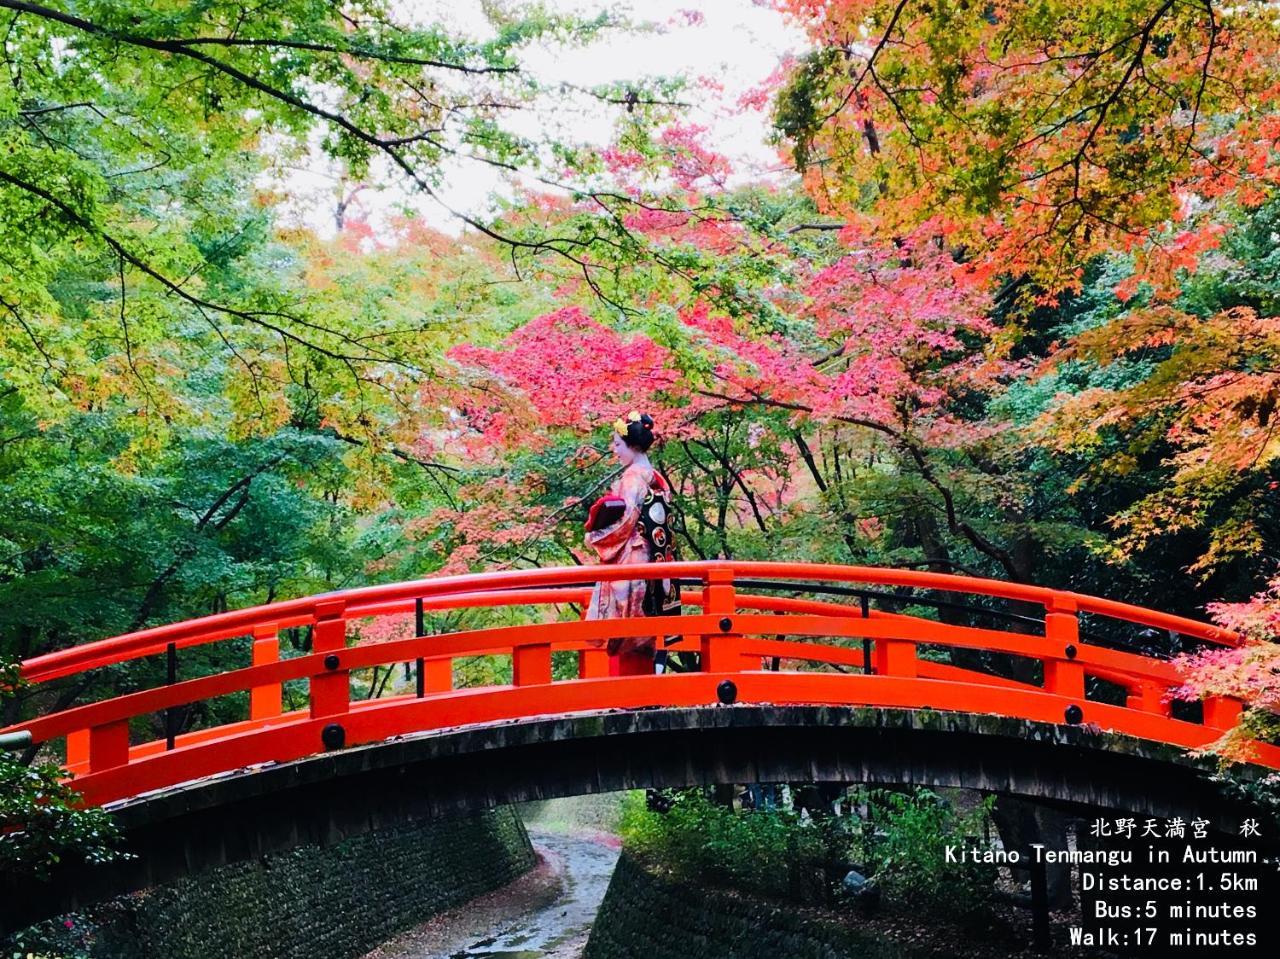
x=379 y=599
x=732 y=634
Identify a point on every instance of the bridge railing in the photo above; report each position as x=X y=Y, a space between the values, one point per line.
x=870 y=657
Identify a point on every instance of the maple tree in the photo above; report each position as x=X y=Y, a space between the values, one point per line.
x=1183 y=389
x=137 y=142
x=1036 y=134
x=1041 y=140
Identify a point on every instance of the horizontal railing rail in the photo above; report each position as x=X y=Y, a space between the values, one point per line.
x=822 y=589
x=301 y=612
x=834 y=652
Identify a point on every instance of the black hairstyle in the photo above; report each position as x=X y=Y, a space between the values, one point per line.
x=636 y=430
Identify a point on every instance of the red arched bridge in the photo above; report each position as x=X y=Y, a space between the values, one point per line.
x=850 y=648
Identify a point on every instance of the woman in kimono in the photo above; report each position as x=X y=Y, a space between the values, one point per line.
x=641 y=535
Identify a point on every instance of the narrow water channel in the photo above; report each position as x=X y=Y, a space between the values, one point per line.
x=546 y=914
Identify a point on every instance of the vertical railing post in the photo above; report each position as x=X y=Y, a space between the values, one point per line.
x=592 y=663
x=437 y=675
x=265 y=701
x=431 y=675
x=419 y=630
x=865 y=603
x=78 y=748
x=895 y=657
x=1222 y=712
x=1149 y=698
x=109 y=746
x=331 y=688
x=531 y=664
x=892 y=657
x=721 y=651
x=1063 y=676
x=171 y=714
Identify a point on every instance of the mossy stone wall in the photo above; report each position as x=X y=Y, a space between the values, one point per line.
x=335 y=901
x=647 y=916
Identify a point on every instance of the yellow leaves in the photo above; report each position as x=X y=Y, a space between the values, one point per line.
x=1137 y=329
x=1152 y=518
x=1122 y=464
x=1075 y=424
x=258 y=404
x=373 y=481
x=1236 y=745
x=144 y=447
x=1234 y=539
x=1209 y=390
x=1051 y=129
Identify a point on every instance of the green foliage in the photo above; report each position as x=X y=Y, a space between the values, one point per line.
x=140 y=266
x=40 y=827
x=40 y=824
x=68 y=937
x=1259 y=793
x=901 y=844
x=907 y=853
x=90 y=547
x=798 y=114
x=770 y=852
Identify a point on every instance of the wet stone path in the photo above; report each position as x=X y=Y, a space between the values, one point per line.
x=545 y=914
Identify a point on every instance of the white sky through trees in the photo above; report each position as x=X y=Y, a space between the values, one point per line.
x=725 y=48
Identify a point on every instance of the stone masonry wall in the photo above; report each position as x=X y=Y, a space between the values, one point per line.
x=646 y=916
x=336 y=901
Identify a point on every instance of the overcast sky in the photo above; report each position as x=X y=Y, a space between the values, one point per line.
x=736 y=44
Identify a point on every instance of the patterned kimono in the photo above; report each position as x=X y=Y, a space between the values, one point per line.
x=622 y=543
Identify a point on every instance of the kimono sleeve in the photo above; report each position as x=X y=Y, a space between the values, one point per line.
x=612 y=540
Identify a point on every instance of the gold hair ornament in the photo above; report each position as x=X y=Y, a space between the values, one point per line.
x=620 y=425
